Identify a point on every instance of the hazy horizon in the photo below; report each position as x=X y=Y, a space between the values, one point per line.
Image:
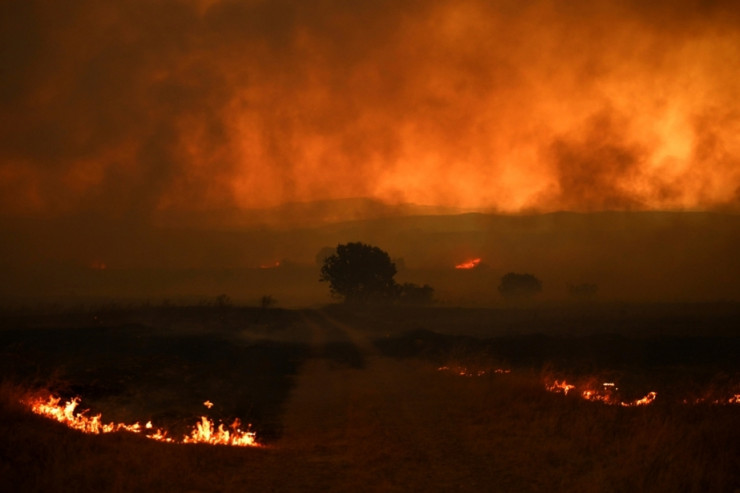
x=216 y=135
x=630 y=256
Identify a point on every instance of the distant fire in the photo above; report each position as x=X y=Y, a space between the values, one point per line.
x=734 y=399
x=606 y=394
x=558 y=386
x=468 y=264
x=98 y=265
x=467 y=372
x=203 y=432
x=273 y=265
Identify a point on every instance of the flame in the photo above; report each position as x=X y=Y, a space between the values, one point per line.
x=468 y=264
x=559 y=386
x=274 y=265
x=203 y=432
x=607 y=394
x=648 y=399
x=467 y=372
x=734 y=399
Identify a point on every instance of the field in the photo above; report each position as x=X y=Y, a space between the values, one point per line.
x=377 y=399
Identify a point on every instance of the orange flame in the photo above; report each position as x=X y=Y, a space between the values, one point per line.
x=468 y=264
x=203 y=432
x=606 y=395
x=467 y=372
x=559 y=386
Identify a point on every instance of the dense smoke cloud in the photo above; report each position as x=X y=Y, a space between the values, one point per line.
x=134 y=108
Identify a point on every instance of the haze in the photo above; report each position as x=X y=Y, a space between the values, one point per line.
x=216 y=135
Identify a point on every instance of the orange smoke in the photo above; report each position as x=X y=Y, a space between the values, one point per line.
x=477 y=105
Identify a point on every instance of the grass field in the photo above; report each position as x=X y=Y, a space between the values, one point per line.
x=354 y=399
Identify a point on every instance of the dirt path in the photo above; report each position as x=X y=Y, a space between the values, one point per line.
x=381 y=423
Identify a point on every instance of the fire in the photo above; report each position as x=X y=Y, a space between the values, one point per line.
x=467 y=372
x=607 y=394
x=468 y=264
x=734 y=399
x=559 y=386
x=204 y=431
x=273 y=265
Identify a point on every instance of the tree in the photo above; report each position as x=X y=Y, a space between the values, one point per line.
x=583 y=291
x=413 y=294
x=360 y=273
x=519 y=285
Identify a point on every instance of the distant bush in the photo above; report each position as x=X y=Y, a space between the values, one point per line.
x=413 y=294
x=515 y=285
x=582 y=291
x=267 y=301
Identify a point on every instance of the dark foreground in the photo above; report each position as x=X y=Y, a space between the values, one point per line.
x=353 y=400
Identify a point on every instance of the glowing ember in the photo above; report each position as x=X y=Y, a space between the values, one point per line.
x=735 y=399
x=204 y=432
x=559 y=386
x=649 y=398
x=607 y=394
x=467 y=372
x=468 y=264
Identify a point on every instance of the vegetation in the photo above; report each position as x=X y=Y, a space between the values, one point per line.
x=519 y=285
x=413 y=294
x=361 y=273
x=583 y=291
x=395 y=423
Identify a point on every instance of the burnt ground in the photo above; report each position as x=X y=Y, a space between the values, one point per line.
x=352 y=399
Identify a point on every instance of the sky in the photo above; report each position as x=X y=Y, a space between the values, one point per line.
x=137 y=109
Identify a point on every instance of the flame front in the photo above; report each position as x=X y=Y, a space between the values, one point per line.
x=467 y=372
x=607 y=394
x=559 y=386
x=204 y=431
x=468 y=264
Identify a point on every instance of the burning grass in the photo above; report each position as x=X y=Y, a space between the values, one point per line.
x=391 y=424
x=203 y=432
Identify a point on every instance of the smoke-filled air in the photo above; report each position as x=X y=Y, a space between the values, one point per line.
x=151 y=108
x=370 y=245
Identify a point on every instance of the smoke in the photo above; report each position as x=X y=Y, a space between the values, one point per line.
x=134 y=109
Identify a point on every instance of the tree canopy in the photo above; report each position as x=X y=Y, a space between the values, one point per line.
x=515 y=285
x=360 y=273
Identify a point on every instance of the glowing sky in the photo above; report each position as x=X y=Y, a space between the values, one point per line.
x=141 y=106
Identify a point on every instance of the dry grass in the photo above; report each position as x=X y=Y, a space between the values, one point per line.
x=397 y=424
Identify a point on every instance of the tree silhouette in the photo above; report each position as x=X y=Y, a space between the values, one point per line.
x=519 y=285
x=360 y=273
x=583 y=291
x=413 y=294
